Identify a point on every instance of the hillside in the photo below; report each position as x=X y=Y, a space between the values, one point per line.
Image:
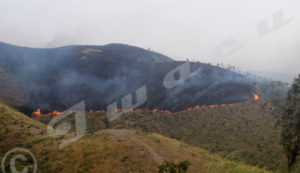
x=224 y=112
x=250 y=130
x=105 y=150
x=57 y=78
x=246 y=132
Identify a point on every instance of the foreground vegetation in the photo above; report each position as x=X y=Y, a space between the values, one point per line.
x=246 y=132
x=290 y=136
x=104 y=151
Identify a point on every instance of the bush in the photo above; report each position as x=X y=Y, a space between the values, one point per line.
x=172 y=167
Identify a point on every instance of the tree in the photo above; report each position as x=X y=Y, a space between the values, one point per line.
x=171 y=167
x=290 y=136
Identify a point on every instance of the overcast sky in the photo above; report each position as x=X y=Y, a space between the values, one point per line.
x=212 y=31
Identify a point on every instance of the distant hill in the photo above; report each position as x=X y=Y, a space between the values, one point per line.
x=105 y=150
x=275 y=76
x=57 y=78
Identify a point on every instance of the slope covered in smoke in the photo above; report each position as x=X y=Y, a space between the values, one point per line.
x=57 y=78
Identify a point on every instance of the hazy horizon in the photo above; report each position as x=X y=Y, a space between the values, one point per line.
x=178 y=29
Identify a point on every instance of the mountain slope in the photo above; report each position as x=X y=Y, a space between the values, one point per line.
x=245 y=132
x=248 y=130
x=56 y=79
x=106 y=150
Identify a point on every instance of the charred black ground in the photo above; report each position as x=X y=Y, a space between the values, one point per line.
x=57 y=78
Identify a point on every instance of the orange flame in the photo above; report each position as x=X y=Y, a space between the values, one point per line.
x=212 y=106
x=38 y=112
x=256 y=97
x=55 y=113
x=192 y=108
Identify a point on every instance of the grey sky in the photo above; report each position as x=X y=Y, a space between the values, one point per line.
x=180 y=29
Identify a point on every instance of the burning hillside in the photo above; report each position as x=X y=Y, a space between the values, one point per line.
x=39 y=113
x=60 y=78
x=55 y=112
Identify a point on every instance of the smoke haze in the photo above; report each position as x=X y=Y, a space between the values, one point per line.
x=179 y=29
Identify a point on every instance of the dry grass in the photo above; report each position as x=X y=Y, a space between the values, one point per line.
x=101 y=152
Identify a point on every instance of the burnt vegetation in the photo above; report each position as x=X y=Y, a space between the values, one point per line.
x=57 y=78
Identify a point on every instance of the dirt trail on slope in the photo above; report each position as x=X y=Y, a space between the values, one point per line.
x=127 y=134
